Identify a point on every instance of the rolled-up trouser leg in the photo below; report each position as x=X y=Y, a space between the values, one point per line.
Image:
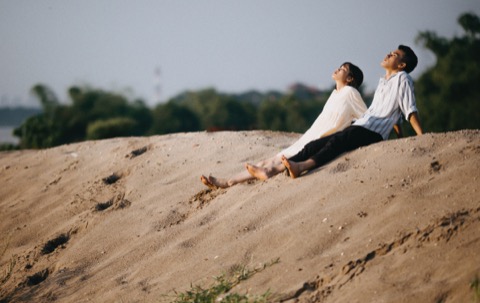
x=310 y=149
x=328 y=148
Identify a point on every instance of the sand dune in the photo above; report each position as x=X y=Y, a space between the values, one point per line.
x=128 y=220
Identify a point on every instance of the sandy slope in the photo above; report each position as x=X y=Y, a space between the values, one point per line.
x=397 y=221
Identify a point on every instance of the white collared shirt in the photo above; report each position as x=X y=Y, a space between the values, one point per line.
x=341 y=108
x=392 y=98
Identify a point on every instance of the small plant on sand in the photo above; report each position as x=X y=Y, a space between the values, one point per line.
x=475 y=286
x=8 y=271
x=223 y=284
x=9 y=267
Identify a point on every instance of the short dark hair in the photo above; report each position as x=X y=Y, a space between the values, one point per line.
x=356 y=74
x=409 y=58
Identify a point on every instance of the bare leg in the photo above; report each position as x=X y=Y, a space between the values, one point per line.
x=292 y=167
x=266 y=172
x=246 y=176
x=266 y=169
x=273 y=164
x=295 y=169
x=221 y=183
x=215 y=183
x=257 y=171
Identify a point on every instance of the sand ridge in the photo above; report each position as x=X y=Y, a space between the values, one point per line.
x=128 y=219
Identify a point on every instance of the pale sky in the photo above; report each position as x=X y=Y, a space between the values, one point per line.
x=233 y=46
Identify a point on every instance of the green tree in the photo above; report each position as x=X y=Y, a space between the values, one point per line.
x=289 y=113
x=202 y=103
x=36 y=132
x=448 y=93
x=217 y=111
x=41 y=131
x=272 y=115
x=171 y=117
x=229 y=114
x=47 y=98
x=142 y=115
x=92 y=105
x=59 y=124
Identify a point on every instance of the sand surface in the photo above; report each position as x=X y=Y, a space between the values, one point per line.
x=128 y=220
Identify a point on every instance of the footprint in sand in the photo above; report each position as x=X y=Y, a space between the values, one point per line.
x=38 y=277
x=51 y=245
x=137 y=152
x=103 y=206
x=118 y=202
x=111 y=179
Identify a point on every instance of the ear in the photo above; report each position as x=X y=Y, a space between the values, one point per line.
x=349 y=79
x=402 y=65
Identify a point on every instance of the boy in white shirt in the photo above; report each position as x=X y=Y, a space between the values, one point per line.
x=393 y=97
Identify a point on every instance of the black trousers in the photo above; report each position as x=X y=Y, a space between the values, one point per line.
x=326 y=149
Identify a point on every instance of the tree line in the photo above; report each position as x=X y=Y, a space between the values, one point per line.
x=97 y=114
x=448 y=98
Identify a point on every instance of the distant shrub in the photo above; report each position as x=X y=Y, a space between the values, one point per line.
x=36 y=132
x=110 y=128
x=8 y=146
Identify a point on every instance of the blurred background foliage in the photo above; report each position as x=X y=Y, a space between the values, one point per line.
x=448 y=93
x=448 y=98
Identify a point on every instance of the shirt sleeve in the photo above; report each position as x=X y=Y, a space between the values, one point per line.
x=351 y=107
x=407 y=100
x=356 y=103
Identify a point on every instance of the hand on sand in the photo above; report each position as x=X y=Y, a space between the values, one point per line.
x=292 y=167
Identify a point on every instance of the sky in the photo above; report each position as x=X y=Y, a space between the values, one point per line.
x=155 y=49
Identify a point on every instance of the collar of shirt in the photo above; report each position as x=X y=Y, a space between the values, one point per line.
x=383 y=80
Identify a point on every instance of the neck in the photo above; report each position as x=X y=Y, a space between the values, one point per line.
x=390 y=73
x=340 y=85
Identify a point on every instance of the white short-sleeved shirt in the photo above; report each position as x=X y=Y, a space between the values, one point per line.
x=341 y=108
x=392 y=98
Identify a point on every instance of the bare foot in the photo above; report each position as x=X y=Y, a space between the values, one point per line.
x=222 y=183
x=292 y=167
x=257 y=172
x=207 y=182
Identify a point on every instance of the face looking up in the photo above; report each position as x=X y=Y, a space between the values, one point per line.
x=342 y=74
x=394 y=61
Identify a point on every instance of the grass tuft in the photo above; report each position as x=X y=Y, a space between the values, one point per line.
x=9 y=267
x=218 y=291
x=475 y=286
